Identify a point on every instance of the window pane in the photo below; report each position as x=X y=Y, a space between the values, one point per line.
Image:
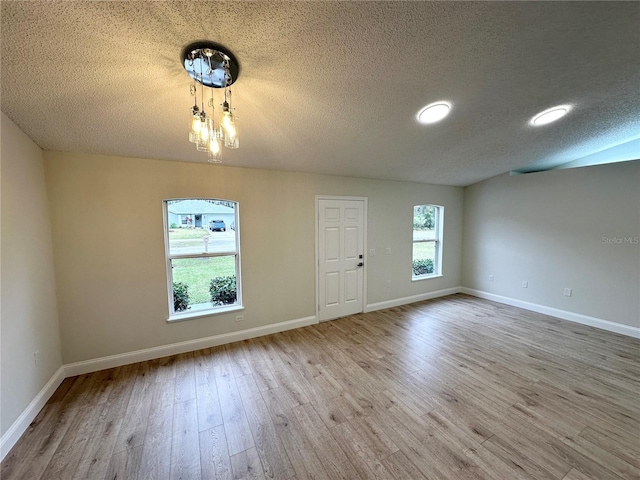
x=427 y=240
x=201 y=226
x=424 y=258
x=424 y=222
x=197 y=274
x=427 y=234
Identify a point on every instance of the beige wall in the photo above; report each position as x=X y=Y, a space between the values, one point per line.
x=109 y=247
x=29 y=314
x=551 y=229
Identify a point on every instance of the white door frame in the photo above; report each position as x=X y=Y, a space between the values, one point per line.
x=365 y=201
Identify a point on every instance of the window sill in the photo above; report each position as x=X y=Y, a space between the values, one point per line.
x=203 y=313
x=425 y=277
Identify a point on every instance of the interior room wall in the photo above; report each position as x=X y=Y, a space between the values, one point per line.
x=576 y=228
x=109 y=247
x=29 y=313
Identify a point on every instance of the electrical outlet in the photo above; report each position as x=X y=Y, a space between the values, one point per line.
x=239 y=318
x=567 y=292
x=491 y=278
x=372 y=252
x=387 y=251
x=36 y=358
x=525 y=284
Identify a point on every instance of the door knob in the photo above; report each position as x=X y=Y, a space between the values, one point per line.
x=361 y=264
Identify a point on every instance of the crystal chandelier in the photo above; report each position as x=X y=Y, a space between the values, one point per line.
x=213 y=66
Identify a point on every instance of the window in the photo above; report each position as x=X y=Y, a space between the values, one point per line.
x=203 y=256
x=427 y=241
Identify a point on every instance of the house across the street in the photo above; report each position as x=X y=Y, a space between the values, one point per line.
x=199 y=214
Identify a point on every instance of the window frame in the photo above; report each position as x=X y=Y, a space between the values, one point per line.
x=437 y=241
x=169 y=257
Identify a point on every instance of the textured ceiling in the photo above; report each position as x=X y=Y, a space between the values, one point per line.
x=332 y=87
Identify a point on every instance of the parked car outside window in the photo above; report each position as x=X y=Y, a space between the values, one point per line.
x=217 y=226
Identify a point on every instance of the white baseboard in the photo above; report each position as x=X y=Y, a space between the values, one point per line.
x=556 y=312
x=21 y=424
x=396 y=302
x=93 y=365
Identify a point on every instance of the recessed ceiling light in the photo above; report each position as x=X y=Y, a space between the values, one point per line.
x=550 y=115
x=434 y=112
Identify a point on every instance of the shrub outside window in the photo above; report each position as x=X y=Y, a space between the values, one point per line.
x=202 y=247
x=427 y=241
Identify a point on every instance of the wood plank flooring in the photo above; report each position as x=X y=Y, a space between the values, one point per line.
x=454 y=388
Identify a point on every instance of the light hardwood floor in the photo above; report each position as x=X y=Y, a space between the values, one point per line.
x=453 y=388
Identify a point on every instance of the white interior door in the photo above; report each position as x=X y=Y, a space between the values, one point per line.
x=340 y=258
